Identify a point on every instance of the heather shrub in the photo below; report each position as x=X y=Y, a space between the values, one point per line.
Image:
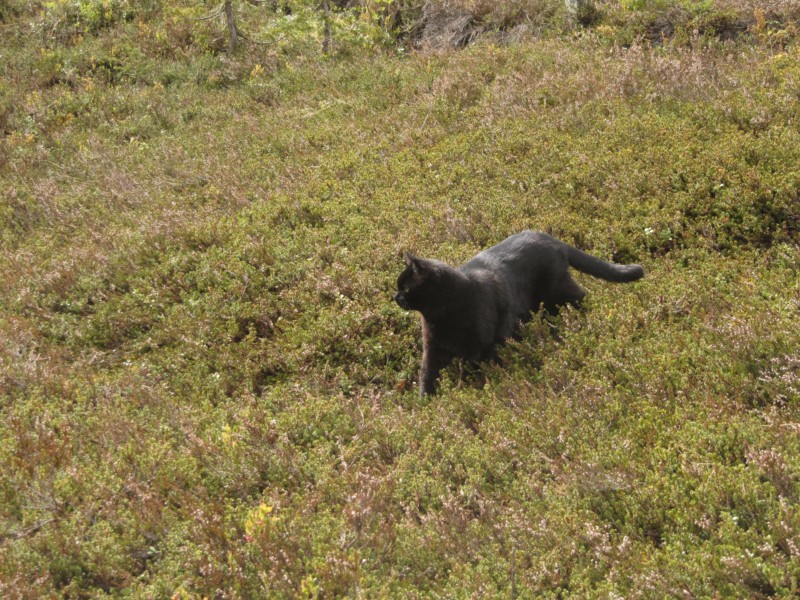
x=206 y=390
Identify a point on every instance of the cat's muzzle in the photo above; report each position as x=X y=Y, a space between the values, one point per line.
x=401 y=301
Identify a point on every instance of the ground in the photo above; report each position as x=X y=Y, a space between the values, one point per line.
x=206 y=390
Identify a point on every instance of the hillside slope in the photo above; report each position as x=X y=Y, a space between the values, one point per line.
x=206 y=390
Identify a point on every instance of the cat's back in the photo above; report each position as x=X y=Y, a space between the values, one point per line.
x=523 y=243
x=522 y=247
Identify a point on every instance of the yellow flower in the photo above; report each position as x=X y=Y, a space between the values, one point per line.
x=257 y=72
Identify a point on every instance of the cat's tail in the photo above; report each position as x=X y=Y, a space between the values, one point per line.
x=592 y=265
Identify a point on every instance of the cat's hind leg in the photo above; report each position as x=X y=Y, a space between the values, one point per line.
x=564 y=291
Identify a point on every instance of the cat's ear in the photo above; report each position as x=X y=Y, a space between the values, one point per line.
x=417 y=265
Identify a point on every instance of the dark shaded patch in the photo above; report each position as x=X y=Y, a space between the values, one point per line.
x=625 y=255
x=266 y=376
x=109 y=69
x=588 y=14
x=298 y=216
x=262 y=327
x=660 y=30
x=725 y=26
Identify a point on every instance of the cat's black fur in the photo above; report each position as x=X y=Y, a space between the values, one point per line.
x=467 y=311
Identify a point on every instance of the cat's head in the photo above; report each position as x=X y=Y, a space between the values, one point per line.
x=414 y=282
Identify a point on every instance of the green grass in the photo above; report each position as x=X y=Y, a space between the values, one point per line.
x=206 y=390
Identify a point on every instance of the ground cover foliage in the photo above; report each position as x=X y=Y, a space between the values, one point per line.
x=206 y=391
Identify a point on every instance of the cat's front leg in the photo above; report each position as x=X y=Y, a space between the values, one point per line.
x=433 y=361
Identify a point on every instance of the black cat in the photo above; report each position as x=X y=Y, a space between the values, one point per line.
x=468 y=310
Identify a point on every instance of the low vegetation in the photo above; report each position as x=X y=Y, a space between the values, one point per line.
x=207 y=392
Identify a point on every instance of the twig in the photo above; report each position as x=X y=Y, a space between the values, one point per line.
x=217 y=12
x=23 y=533
x=259 y=42
x=328 y=33
x=231 y=22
